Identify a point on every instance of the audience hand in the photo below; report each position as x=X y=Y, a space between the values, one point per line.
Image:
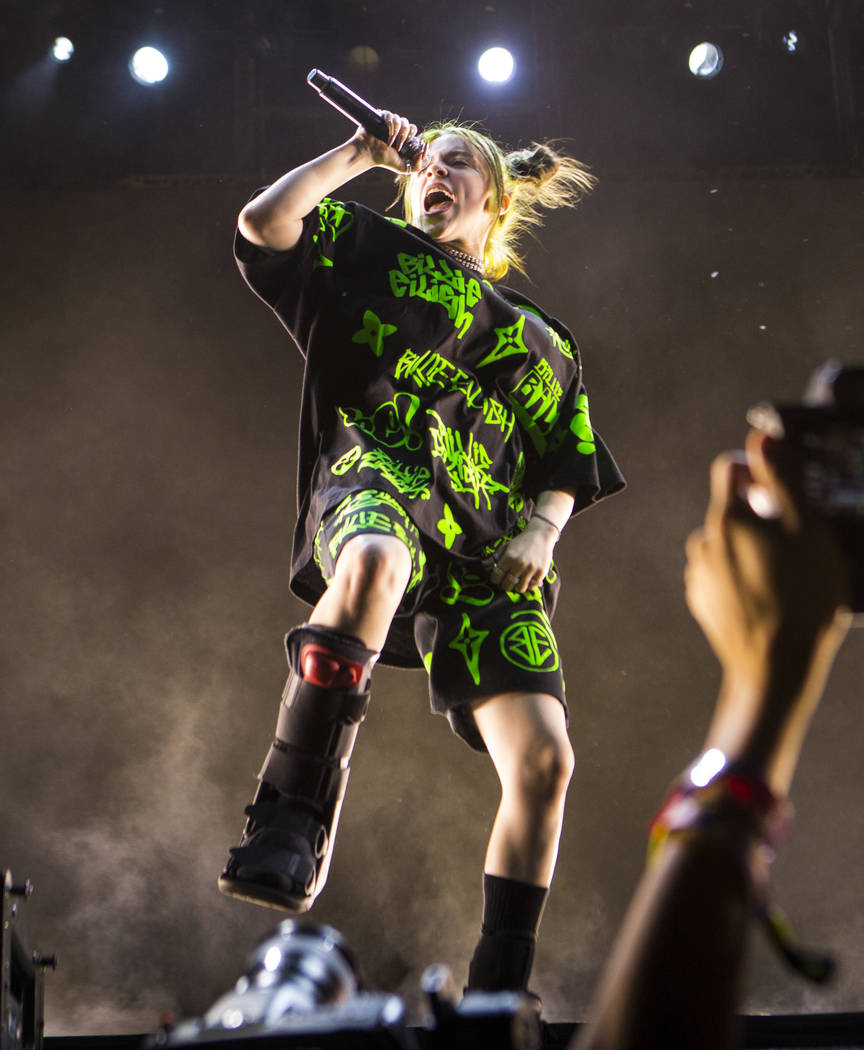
x=768 y=593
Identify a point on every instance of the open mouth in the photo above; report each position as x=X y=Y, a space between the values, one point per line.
x=436 y=199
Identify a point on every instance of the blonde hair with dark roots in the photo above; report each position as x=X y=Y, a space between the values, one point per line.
x=535 y=178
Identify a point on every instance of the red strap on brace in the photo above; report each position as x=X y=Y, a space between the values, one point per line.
x=324 y=668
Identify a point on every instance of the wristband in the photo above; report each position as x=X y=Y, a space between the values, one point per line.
x=548 y=522
x=741 y=810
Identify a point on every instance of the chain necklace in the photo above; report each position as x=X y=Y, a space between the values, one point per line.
x=471 y=261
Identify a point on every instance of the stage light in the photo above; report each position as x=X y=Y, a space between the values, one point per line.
x=364 y=59
x=790 y=41
x=62 y=49
x=148 y=66
x=706 y=61
x=496 y=65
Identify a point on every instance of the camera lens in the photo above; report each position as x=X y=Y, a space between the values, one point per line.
x=295 y=970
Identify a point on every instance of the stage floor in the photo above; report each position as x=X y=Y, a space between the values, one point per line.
x=782 y=1032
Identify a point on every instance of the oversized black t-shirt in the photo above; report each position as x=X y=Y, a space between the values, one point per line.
x=460 y=398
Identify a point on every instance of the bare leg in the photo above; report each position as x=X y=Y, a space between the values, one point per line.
x=372 y=572
x=526 y=735
x=527 y=740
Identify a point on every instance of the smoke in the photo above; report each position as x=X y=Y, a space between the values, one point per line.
x=147 y=435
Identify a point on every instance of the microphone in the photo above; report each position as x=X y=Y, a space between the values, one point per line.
x=361 y=112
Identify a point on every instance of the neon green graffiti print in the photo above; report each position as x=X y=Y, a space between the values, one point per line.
x=421 y=277
x=580 y=425
x=345 y=462
x=534 y=595
x=539 y=393
x=467 y=467
x=468 y=643
x=496 y=415
x=431 y=369
x=529 y=643
x=409 y=480
x=333 y=220
x=449 y=527
x=516 y=499
x=373 y=333
x=510 y=342
x=562 y=345
x=365 y=512
x=535 y=399
x=464 y=587
x=390 y=423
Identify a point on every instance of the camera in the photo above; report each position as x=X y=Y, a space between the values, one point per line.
x=302 y=990
x=826 y=433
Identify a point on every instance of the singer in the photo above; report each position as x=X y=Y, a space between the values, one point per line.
x=445 y=442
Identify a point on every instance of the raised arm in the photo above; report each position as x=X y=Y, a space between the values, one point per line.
x=768 y=595
x=274 y=219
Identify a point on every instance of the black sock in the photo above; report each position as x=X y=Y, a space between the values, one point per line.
x=505 y=951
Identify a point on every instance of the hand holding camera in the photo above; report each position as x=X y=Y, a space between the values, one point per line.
x=768 y=593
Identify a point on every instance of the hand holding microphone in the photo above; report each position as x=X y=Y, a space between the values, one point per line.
x=379 y=123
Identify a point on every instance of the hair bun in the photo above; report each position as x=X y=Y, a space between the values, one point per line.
x=539 y=163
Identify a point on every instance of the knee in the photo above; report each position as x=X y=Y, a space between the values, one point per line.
x=374 y=568
x=544 y=769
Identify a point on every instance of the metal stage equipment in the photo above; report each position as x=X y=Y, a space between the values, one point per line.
x=22 y=976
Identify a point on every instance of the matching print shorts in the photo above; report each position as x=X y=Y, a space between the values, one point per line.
x=475 y=640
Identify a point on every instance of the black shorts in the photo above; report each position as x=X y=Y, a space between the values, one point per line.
x=475 y=640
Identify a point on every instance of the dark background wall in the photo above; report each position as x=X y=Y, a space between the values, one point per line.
x=148 y=423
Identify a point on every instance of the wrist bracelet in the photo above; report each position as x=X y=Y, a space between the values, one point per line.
x=548 y=522
x=740 y=809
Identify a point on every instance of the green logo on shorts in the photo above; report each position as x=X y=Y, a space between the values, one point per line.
x=468 y=587
x=529 y=642
x=468 y=643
